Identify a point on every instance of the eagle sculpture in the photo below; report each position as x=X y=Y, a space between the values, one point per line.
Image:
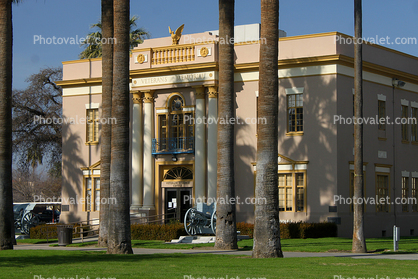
x=176 y=36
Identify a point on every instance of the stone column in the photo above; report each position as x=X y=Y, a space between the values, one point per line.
x=148 y=164
x=212 y=141
x=200 y=145
x=137 y=151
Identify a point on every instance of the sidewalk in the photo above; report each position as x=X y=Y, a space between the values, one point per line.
x=146 y=251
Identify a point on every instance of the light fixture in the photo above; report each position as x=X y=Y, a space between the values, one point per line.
x=398 y=83
x=174 y=158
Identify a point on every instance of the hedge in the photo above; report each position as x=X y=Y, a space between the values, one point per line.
x=157 y=232
x=48 y=231
x=174 y=231
x=296 y=230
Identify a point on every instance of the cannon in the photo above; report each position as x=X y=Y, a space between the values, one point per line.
x=201 y=220
x=29 y=215
x=25 y=218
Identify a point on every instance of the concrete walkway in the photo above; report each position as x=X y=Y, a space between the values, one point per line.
x=146 y=251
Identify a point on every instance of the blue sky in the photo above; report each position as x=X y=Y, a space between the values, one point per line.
x=71 y=18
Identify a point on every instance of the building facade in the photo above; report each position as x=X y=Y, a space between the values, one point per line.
x=174 y=130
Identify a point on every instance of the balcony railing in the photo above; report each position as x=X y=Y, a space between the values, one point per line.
x=173 y=54
x=172 y=145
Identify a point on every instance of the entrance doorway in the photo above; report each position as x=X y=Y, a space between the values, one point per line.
x=177 y=186
x=177 y=202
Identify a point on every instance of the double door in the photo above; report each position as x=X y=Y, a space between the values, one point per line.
x=177 y=202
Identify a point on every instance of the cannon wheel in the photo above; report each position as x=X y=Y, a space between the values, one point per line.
x=29 y=221
x=213 y=222
x=190 y=223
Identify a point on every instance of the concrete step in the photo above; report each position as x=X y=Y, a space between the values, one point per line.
x=201 y=239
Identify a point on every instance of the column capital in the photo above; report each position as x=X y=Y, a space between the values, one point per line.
x=148 y=96
x=213 y=91
x=136 y=97
x=200 y=91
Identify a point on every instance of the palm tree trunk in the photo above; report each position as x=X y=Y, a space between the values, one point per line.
x=6 y=194
x=119 y=238
x=105 y=144
x=226 y=230
x=267 y=223
x=359 y=242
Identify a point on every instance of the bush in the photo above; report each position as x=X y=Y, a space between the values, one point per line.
x=47 y=231
x=157 y=232
x=296 y=230
x=246 y=229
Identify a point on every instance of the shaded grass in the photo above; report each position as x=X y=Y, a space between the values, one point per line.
x=335 y=244
x=49 y=263
x=35 y=241
x=331 y=244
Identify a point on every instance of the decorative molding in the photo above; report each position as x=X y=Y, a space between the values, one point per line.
x=205 y=51
x=188 y=109
x=200 y=92
x=381 y=97
x=213 y=91
x=382 y=154
x=405 y=173
x=175 y=79
x=165 y=110
x=137 y=97
x=382 y=169
x=294 y=90
x=404 y=102
x=92 y=106
x=175 y=36
x=141 y=58
x=148 y=96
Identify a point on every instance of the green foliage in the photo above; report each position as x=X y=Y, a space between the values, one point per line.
x=157 y=232
x=48 y=231
x=45 y=231
x=93 y=42
x=296 y=230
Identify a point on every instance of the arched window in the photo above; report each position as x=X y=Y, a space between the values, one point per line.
x=178 y=173
x=176 y=127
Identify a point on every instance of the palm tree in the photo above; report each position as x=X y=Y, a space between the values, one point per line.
x=267 y=223
x=226 y=231
x=105 y=144
x=359 y=242
x=93 y=43
x=119 y=235
x=6 y=194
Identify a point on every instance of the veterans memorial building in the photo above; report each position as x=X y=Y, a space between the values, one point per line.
x=173 y=113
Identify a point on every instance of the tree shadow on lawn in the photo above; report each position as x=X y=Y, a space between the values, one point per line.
x=25 y=258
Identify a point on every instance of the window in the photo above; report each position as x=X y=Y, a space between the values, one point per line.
x=300 y=192
x=92 y=126
x=285 y=192
x=382 y=192
x=404 y=125
x=414 y=192
x=382 y=114
x=92 y=193
x=291 y=185
x=414 y=125
x=294 y=113
x=175 y=127
x=405 y=182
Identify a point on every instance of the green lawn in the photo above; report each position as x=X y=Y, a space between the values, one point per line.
x=35 y=264
x=331 y=244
